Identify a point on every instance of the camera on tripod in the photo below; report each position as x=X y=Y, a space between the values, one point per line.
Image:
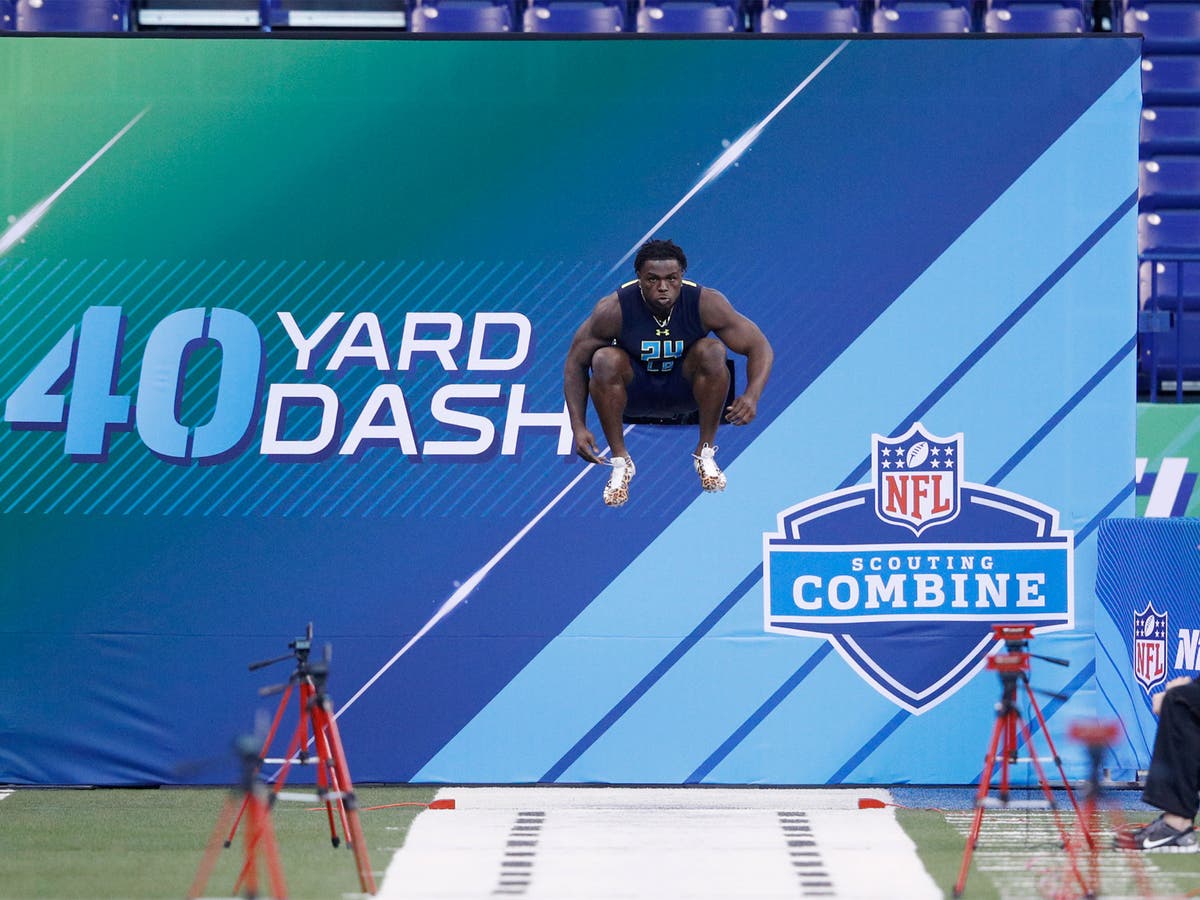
x=1014 y=660
x=302 y=644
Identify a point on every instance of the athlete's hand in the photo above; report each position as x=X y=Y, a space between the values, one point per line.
x=585 y=446
x=741 y=411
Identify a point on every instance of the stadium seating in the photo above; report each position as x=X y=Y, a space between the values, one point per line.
x=460 y=17
x=338 y=14
x=921 y=18
x=1034 y=18
x=1169 y=233
x=1171 y=80
x=1168 y=285
x=8 y=15
x=200 y=14
x=1169 y=349
x=1170 y=129
x=1084 y=6
x=1167 y=26
x=808 y=17
x=688 y=17
x=72 y=15
x=573 y=17
x=1169 y=182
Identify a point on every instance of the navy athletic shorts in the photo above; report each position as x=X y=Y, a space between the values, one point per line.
x=659 y=396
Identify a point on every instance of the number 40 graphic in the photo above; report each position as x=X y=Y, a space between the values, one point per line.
x=89 y=359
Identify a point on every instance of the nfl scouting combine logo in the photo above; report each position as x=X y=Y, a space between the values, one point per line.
x=906 y=575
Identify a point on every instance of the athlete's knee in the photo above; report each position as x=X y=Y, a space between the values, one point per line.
x=611 y=365
x=706 y=357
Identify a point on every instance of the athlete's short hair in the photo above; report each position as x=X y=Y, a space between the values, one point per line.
x=659 y=250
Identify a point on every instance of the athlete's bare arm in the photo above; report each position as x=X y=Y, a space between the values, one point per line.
x=741 y=336
x=600 y=329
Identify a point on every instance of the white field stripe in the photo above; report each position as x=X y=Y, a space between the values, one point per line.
x=468 y=587
x=26 y=223
x=659 y=843
x=4 y=795
x=731 y=154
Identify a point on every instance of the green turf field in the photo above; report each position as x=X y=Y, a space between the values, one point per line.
x=143 y=843
x=140 y=843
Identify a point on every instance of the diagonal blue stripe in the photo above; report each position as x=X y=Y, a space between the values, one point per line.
x=1109 y=508
x=374 y=478
x=768 y=706
x=1002 y=329
x=338 y=467
x=233 y=482
x=333 y=476
x=639 y=690
x=869 y=747
x=1145 y=753
x=1013 y=461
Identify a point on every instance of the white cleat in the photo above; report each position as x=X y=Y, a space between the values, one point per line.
x=616 y=492
x=712 y=479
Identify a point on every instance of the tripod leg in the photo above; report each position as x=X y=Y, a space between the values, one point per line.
x=212 y=850
x=296 y=747
x=1008 y=754
x=248 y=875
x=262 y=754
x=1068 y=844
x=274 y=868
x=327 y=776
x=1087 y=832
x=985 y=779
x=350 y=803
x=261 y=839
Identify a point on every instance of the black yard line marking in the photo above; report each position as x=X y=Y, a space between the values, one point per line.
x=516 y=867
x=807 y=863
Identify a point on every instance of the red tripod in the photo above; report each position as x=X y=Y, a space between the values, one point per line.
x=1098 y=737
x=315 y=725
x=258 y=839
x=1013 y=669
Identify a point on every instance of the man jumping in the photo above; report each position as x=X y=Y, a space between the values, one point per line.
x=645 y=352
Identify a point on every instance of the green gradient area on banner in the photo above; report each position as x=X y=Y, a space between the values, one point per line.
x=1168 y=450
x=437 y=143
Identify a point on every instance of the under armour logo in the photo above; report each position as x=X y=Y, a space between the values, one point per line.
x=659 y=332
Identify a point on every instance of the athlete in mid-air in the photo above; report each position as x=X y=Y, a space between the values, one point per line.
x=645 y=352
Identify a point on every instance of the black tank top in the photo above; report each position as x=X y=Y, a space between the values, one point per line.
x=659 y=347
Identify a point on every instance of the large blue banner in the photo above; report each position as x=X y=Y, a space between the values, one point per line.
x=284 y=328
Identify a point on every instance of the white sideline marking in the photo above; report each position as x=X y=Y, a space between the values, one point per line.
x=660 y=843
x=5 y=794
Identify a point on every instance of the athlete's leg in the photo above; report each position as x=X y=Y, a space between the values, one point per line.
x=611 y=374
x=704 y=367
x=1174 y=777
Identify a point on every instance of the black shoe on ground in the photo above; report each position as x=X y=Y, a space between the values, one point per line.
x=1158 y=836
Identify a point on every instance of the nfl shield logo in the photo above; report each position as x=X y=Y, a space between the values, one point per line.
x=1150 y=648
x=916 y=478
x=912 y=612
